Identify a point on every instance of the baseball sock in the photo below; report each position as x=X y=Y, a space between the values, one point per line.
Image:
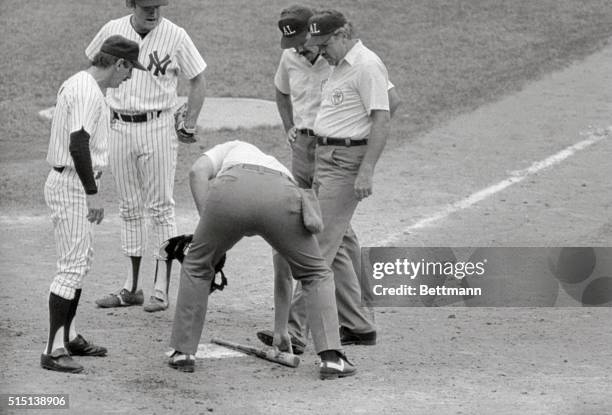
x=131 y=284
x=71 y=333
x=58 y=310
x=162 y=282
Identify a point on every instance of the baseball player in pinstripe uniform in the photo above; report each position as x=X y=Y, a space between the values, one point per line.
x=78 y=152
x=143 y=141
x=299 y=79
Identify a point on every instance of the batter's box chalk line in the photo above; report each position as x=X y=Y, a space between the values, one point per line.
x=214 y=351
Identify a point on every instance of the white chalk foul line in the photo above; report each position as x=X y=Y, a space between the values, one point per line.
x=515 y=177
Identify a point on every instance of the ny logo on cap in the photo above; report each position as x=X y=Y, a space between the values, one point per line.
x=287 y=31
x=314 y=29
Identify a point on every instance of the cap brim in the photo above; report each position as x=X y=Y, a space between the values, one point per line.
x=318 y=40
x=137 y=65
x=295 y=41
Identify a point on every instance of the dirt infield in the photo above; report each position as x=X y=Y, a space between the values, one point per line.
x=428 y=360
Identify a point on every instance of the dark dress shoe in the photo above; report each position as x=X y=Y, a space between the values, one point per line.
x=81 y=347
x=181 y=361
x=348 y=337
x=267 y=337
x=60 y=361
x=341 y=368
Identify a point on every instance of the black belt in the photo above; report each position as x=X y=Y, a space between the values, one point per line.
x=142 y=117
x=347 y=142
x=307 y=131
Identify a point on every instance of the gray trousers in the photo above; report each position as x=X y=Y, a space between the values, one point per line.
x=335 y=174
x=242 y=202
x=343 y=257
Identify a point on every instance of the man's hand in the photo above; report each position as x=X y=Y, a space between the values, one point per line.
x=282 y=342
x=363 y=184
x=291 y=135
x=95 y=211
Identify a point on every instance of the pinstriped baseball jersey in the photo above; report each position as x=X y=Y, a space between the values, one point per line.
x=80 y=104
x=143 y=154
x=166 y=51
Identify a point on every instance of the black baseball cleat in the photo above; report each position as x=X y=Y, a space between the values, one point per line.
x=267 y=337
x=349 y=337
x=60 y=361
x=341 y=368
x=81 y=347
x=181 y=361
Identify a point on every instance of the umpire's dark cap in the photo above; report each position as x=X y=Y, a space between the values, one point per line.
x=293 y=24
x=322 y=26
x=120 y=47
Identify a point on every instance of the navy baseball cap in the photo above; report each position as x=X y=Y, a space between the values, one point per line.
x=322 y=26
x=293 y=24
x=120 y=47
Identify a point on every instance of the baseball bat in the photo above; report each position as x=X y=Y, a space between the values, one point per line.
x=283 y=358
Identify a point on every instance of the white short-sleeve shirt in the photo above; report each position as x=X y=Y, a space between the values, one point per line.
x=223 y=156
x=358 y=85
x=303 y=81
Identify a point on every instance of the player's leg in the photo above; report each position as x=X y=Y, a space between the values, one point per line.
x=218 y=230
x=158 y=171
x=285 y=231
x=335 y=175
x=302 y=169
x=65 y=198
x=123 y=156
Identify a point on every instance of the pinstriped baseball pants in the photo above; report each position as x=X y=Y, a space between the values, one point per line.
x=143 y=162
x=65 y=197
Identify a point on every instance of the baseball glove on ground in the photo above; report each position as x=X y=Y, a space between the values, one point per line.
x=184 y=134
x=177 y=247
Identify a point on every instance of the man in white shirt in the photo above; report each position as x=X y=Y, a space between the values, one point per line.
x=351 y=126
x=240 y=191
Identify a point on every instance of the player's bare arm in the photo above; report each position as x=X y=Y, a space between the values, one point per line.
x=394 y=101
x=195 y=99
x=283 y=292
x=376 y=143
x=285 y=110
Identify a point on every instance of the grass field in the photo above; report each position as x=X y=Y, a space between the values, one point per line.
x=445 y=57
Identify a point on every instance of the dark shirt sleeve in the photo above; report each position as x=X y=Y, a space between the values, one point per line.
x=79 y=150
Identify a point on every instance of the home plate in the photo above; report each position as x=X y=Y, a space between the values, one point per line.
x=225 y=113
x=214 y=351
